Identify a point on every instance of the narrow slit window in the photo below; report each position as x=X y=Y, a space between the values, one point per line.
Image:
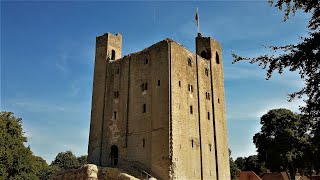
x=192 y=142
x=190 y=62
x=143 y=142
x=118 y=70
x=208 y=115
x=146 y=61
x=217 y=58
x=218 y=100
x=210 y=150
x=116 y=94
x=158 y=82
x=113 y=55
x=144 y=86
x=191 y=88
x=179 y=83
x=115 y=114
x=191 y=109
x=144 y=108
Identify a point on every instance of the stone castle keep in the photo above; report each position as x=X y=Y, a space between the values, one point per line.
x=162 y=109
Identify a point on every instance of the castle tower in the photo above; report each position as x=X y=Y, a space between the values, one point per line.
x=108 y=48
x=161 y=109
x=210 y=49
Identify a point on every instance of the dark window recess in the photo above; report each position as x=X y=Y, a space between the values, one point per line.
x=218 y=100
x=146 y=61
x=144 y=86
x=143 y=142
x=179 y=83
x=210 y=150
x=158 y=82
x=208 y=115
x=190 y=88
x=206 y=54
x=192 y=142
x=144 y=108
x=206 y=71
x=217 y=58
x=115 y=114
x=190 y=62
x=207 y=95
x=113 y=55
x=118 y=70
x=191 y=110
x=116 y=94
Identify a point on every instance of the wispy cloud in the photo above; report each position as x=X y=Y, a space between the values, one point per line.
x=61 y=63
x=35 y=106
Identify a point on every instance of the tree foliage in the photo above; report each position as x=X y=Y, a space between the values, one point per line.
x=250 y=163
x=303 y=57
x=18 y=161
x=234 y=170
x=66 y=160
x=15 y=158
x=283 y=141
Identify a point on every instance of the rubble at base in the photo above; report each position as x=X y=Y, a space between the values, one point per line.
x=93 y=172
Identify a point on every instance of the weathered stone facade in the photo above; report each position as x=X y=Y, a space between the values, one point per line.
x=162 y=108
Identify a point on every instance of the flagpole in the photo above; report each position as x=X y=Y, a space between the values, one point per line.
x=198 y=22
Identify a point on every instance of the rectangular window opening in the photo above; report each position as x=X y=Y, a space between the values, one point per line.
x=208 y=115
x=115 y=114
x=144 y=108
x=158 y=82
x=191 y=110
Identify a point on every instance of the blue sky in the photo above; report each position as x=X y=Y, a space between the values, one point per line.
x=47 y=60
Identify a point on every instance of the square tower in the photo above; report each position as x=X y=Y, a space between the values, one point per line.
x=161 y=109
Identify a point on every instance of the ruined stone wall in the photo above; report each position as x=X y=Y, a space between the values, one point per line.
x=206 y=119
x=163 y=108
x=148 y=126
x=185 y=126
x=213 y=52
x=105 y=44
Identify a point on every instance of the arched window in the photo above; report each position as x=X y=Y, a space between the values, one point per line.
x=114 y=155
x=206 y=54
x=217 y=58
x=113 y=55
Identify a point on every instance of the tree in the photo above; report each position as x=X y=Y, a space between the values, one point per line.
x=82 y=160
x=283 y=141
x=15 y=159
x=240 y=163
x=234 y=170
x=303 y=57
x=66 y=160
x=250 y=163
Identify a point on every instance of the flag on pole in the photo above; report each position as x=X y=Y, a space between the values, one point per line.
x=197 y=19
